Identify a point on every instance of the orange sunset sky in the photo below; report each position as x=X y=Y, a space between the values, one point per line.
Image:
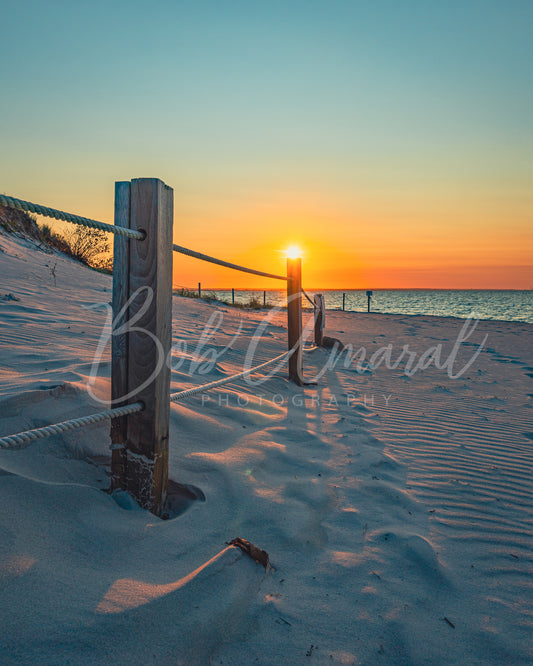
x=391 y=141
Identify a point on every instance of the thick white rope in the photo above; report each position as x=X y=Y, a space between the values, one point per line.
x=27 y=206
x=29 y=436
x=187 y=393
x=212 y=260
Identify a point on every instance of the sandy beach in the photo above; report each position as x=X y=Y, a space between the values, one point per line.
x=394 y=497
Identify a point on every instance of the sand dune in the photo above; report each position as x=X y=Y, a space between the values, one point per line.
x=395 y=505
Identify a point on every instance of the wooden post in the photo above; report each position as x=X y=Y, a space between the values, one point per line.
x=369 y=296
x=119 y=343
x=294 y=318
x=343 y=301
x=320 y=318
x=232 y=296
x=199 y=290
x=145 y=459
x=264 y=299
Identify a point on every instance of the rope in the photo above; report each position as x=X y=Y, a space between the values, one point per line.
x=212 y=260
x=29 y=436
x=308 y=298
x=11 y=202
x=180 y=395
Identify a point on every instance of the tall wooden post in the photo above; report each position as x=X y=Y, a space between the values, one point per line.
x=294 y=318
x=119 y=341
x=320 y=318
x=145 y=458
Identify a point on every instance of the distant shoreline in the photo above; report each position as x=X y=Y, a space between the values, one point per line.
x=514 y=305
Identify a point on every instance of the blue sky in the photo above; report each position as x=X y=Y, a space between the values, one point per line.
x=382 y=113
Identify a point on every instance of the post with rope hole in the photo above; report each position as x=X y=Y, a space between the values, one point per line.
x=294 y=318
x=320 y=318
x=139 y=369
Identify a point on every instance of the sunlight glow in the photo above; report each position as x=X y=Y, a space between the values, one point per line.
x=293 y=252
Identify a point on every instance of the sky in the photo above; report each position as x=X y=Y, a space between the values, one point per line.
x=392 y=141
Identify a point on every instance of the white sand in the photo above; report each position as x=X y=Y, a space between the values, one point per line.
x=392 y=506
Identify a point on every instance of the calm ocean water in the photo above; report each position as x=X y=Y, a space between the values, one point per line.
x=505 y=305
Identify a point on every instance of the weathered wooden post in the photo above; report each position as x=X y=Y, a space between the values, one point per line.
x=343 y=301
x=142 y=469
x=294 y=318
x=199 y=290
x=232 y=296
x=369 y=297
x=320 y=318
x=264 y=299
x=119 y=341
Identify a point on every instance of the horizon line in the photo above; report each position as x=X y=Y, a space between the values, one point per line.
x=346 y=289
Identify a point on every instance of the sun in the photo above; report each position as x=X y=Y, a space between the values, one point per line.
x=293 y=252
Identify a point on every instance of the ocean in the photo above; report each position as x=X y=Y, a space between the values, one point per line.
x=503 y=305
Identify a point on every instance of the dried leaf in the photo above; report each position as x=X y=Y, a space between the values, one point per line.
x=258 y=555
